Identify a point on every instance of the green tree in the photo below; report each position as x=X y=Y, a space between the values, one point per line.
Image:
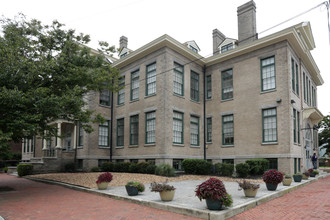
x=324 y=135
x=45 y=73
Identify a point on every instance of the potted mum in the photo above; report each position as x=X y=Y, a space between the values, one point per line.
x=272 y=178
x=250 y=189
x=166 y=191
x=214 y=193
x=297 y=177
x=103 y=180
x=313 y=173
x=305 y=175
x=287 y=180
x=133 y=188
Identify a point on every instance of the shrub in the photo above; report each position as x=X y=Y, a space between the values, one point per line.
x=272 y=177
x=69 y=167
x=24 y=169
x=242 y=169
x=133 y=168
x=257 y=166
x=224 y=169
x=122 y=167
x=196 y=166
x=142 y=167
x=165 y=170
x=104 y=177
x=107 y=167
x=151 y=168
x=213 y=189
x=95 y=169
x=5 y=169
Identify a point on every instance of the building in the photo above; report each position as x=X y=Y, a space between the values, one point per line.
x=254 y=98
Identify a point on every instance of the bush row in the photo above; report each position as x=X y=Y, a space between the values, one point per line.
x=126 y=167
x=24 y=169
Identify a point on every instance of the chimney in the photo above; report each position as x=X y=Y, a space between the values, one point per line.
x=247 y=28
x=123 y=42
x=218 y=37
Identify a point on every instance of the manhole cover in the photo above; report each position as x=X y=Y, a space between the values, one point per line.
x=5 y=188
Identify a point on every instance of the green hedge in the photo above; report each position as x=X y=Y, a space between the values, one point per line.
x=196 y=166
x=24 y=169
x=257 y=166
x=107 y=167
x=122 y=167
x=133 y=168
x=151 y=169
x=142 y=167
x=165 y=170
x=242 y=169
x=224 y=169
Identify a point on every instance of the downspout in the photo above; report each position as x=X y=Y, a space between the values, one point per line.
x=111 y=125
x=204 y=112
x=75 y=147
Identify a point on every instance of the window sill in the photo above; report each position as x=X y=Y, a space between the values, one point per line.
x=151 y=95
x=105 y=106
x=150 y=145
x=209 y=142
x=179 y=96
x=226 y=100
x=177 y=145
x=227 y=146
x=119 y=147
x=208 y=99
x=267 y=91
x=269 y=143
x=135 y=100
x=198 y=102
x=103 y=147
x=119 y=105
x=80 y=147
x=194 y=146
x=133 y=146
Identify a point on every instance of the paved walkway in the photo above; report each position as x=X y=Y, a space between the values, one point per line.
x=30 y=200
x=309 y=202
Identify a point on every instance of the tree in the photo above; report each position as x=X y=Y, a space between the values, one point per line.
x=45 y=71
x=324 y=135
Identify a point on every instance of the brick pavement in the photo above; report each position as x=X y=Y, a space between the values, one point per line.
x=32 y=200
x=309 y=202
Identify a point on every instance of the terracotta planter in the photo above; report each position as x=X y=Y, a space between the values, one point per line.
x=167 y=195
x=102 y=186
x=287 y=182
x=213 y=204
x=250 y=192
x=271 y=187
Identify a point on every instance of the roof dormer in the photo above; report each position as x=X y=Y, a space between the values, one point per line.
x=227 y=44
x=192 y=46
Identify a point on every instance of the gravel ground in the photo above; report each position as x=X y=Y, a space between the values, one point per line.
x=120 y=179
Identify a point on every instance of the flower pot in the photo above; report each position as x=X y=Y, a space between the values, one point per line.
x=167 y=195
x=305 y=177
x=287 y=182
x=102 y=186
x=271 y=187
x=131 y=190
x=297 y=178
x=312 y=174
x=250 y=192
x=213 y=204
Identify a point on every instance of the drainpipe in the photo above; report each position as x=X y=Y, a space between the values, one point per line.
x=111 y=125
x=204 y=112
x=75 y=149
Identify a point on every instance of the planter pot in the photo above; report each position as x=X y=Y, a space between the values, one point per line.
x=167 y=195
x=213 y=204
x=131 y=190
x=102 y=186
x=297 y=178
x=287 y=182
x=271 y=187
x=304 y=177
x=312 y=174
x=250 y=192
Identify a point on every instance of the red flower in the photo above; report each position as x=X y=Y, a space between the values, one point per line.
x=272 y=177
x=104 y=177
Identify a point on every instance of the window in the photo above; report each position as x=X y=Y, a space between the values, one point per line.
x=309 y=92
x=314 y=97
x=178 y=83
x=304 y=84
x=209 y=87
x=150 y=127
x=297 y=80
x=269 y=125
x=194 y=130
x=292 y=73
x=193 y=49
x=273 y=164
x=151 y=79
x=121 y=93
x=134 y=130
x=104 y=134
x=177 y=164
x=298 y=127
x=227 y=84
x=209 y=130
x=120 y=132
x=226 y=47
x=294 y=126
x=123 y=55
x=135 y=84
x=194 y=86
x=230 y=161
x=105 y=97
x=268 y=80
x=228 y=130
x=177 y=127
x=80 y=136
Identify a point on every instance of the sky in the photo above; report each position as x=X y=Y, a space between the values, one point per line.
x=142 y=21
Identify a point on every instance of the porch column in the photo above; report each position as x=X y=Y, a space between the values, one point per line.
x=58 y=138
x=44 y=147
x=74 y=136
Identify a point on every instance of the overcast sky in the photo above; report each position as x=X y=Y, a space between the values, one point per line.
x=142 y=21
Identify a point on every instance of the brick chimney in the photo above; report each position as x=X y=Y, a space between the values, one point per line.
x=218 y=37
x=247 y=28
x=123 y=42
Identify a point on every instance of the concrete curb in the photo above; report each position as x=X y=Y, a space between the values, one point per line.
x=203 y=214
